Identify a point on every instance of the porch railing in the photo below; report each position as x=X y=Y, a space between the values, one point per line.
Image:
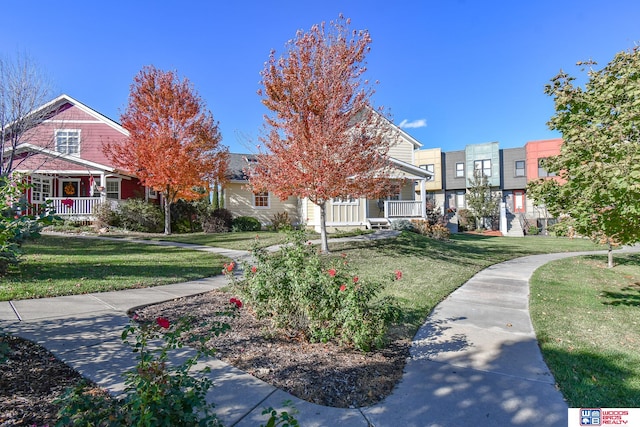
x=403 y=209
x=78 y=208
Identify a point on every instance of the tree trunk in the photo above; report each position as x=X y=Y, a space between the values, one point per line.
x=610 y=256
x=167 y=214
x=324 y=244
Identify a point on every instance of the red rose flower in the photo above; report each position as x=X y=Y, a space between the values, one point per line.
x=332 y=272
x=343 y=288
x=230 y=267
x=163 y=322
x=398 y=274
x=236 y=302
x=355 y=279
x=254 y=269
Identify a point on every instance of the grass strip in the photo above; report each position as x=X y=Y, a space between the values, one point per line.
x=587 y=320
x=55 y=266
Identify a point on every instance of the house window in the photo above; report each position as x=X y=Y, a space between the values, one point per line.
x=483 y=166
x=41 y=189
x=520 y=168
x=68 y=141
x=460 y=170
x=542 y=172
x=261 y=199
x=113 y=189
x=153 y=194
x=429 y=168
x=345 y=201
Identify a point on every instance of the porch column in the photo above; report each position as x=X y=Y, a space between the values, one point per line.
x=103 y=184
x=423 y=197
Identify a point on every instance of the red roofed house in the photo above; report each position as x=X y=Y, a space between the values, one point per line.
x=63 y=161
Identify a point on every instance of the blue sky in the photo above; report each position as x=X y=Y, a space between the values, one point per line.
x=453 y=72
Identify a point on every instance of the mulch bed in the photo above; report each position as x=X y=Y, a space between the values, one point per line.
x=323 y=373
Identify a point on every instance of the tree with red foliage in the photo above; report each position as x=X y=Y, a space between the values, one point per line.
x=323 y=140
x=174 y=143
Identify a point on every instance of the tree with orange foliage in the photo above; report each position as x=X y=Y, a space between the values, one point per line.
x=174 y=143
x=323 y=140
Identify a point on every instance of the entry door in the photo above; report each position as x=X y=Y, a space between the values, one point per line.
x=518 y=201
x=70 y=187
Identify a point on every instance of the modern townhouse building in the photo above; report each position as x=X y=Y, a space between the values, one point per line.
x=508 y=172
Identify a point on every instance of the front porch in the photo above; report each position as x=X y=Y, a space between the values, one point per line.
x=78 y=209
x=396 y=209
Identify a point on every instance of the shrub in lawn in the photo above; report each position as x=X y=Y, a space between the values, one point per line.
x=562 y=228
x=281 y=221
x=225 y=215
x=105 y=216
x=533 y=230
x=466 y=220
x=315 y=296
x=401 y=225
x=184 y=215
x=246 y=223
x=434 y=231
x=440 y=232
x=216 y=220
x=138 y=215
x=16 y=228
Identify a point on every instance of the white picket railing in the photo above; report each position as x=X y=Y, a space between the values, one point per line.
x=75 y=208
x=403 y=209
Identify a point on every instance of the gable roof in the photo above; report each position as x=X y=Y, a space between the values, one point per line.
x=410 y=169
x=238 y=162
x=63 y=99
x=416 y=144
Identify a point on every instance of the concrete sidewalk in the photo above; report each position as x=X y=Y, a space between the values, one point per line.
x=474 y=362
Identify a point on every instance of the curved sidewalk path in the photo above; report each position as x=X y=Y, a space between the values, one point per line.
x=475 y=361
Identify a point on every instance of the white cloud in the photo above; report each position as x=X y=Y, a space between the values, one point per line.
x=406 y=124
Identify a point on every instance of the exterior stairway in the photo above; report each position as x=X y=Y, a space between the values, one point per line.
x=379 y=224
x=514 y=228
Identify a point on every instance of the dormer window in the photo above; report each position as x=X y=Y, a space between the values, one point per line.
x=68 y=141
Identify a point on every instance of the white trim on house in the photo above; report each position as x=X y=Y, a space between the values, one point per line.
x=411 y=169
x=57 y=155
x=39 y=180
x=57 y=134
x=76 y=121
x=63 y=99
x=268 y=206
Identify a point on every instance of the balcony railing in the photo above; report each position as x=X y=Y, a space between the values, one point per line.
x=403 y=209
x=75 y=208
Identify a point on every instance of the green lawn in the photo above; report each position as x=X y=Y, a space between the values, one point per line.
x=593 y=347
x=587 y=318
x=433 y=269
x=243 y=240
x=66 y=265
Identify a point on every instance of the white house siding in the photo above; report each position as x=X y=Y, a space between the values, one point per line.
x=239 y=201
x=402 y=150
x=310 y=208
x=349 y=214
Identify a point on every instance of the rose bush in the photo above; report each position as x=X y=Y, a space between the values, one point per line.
x=316 y=296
